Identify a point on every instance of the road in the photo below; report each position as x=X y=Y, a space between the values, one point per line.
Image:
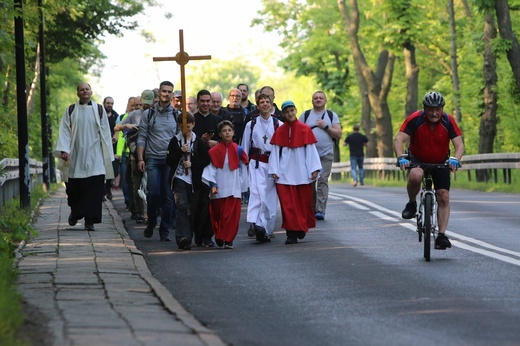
x=359 y=278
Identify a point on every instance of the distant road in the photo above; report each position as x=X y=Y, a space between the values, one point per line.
x=358 y=278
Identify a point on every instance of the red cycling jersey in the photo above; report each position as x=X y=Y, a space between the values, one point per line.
x=430 y=145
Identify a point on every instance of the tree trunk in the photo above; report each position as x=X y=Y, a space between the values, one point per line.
x=366 y=121
x=488 y=119
x=506 y=33
x=34 y=84
x=454 y=65
x=378 y=82
x=412 y=79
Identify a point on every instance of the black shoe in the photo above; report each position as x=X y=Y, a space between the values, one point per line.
x=251 y=231
x=89 y=227
x=148 y=231
x=165 y=238
x=291 y=240
x=109 y=194
x=139 y=219
x=261 y=234
x=301 y=234
x=72 y=220
x=410 y=210
x=184 y=244
x=228 y=245
x=219 y=242
x=442 y=242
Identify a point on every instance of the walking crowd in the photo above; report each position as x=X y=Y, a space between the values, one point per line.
x=192 y=173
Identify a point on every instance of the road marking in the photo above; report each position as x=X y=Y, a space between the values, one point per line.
x=384 y=213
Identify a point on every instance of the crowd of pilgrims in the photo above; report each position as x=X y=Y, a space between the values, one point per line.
x=194 y=175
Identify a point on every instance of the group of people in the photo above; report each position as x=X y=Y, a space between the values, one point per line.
x=193 y=171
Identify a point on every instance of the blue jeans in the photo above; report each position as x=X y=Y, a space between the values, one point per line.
x=357 y=162
x=160 y=194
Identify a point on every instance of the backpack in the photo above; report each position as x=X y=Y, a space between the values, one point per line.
x=276 y=123
x=329 y=112
x=100 y=110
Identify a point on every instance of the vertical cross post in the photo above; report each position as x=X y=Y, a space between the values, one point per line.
x=182 y=58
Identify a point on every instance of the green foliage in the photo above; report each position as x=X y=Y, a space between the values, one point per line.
x=15 y=225
x=314 y=37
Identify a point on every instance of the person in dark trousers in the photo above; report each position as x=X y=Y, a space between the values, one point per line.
x=356 y=143
x=187 y=157
x=85 y=151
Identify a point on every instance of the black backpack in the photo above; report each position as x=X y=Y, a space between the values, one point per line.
x=329 y=112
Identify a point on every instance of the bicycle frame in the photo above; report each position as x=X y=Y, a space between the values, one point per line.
x=427 y=212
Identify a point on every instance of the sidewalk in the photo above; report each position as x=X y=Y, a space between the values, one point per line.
x=94 y=288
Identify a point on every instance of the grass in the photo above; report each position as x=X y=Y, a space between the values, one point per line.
x=458 y=181
x=15 y=226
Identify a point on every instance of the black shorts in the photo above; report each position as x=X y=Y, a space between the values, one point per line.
x=441 y=177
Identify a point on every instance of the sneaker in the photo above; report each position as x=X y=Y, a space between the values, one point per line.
x=271 y=235
x=219 y=242
x=89 y=227
x=228 y=245
x=251 y=231
x=320 y=216
x=208 y=242
x=139 y=219
x=291 y=240
x=410 y=210
x=442 y=242
x=165 y=238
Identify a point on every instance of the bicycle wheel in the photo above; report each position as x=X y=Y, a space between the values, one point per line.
x=428 y=208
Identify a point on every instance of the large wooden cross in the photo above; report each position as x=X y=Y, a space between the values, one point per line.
x=182 y=58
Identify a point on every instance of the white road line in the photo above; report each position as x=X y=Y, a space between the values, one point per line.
x=384 y=213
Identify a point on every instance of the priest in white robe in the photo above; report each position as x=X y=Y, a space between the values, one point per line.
x=84 y=150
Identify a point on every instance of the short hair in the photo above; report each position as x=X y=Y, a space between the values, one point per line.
x=108 y=97
x=190 y=118
x=166 y=82
x=263 y=96
x=77 y=87
x=267 y=87
x=202 y=93
x=244 y=84
x=225 y=123
x=356 y=127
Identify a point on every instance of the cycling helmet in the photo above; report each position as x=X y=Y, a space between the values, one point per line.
x=433 y=99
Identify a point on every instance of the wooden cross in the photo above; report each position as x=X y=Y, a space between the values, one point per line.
x=265 y=138
x=182 y=58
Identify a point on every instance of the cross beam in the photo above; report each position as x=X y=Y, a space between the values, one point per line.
x=182 y=58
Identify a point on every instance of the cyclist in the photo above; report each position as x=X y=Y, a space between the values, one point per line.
x=430 y=131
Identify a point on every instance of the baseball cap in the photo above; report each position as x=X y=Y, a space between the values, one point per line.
x=177 y=93
x=287 y=104
x=147 y=97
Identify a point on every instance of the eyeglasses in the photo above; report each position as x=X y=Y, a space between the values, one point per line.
x=235 y=95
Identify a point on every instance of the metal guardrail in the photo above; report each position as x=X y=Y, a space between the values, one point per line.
x=9 y=178
x=385 y=167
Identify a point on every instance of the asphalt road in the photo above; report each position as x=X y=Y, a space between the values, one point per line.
x=359 y=278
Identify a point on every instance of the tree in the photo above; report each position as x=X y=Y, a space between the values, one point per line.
x=378 y=81
x=505 y=28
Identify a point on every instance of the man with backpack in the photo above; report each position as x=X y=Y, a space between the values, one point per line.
x=85 y=151
x=157 y=127
x=327 y=129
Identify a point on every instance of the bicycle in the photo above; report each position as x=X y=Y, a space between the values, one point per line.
x=427 y=212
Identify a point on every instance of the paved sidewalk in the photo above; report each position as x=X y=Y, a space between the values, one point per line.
x=95 y=288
